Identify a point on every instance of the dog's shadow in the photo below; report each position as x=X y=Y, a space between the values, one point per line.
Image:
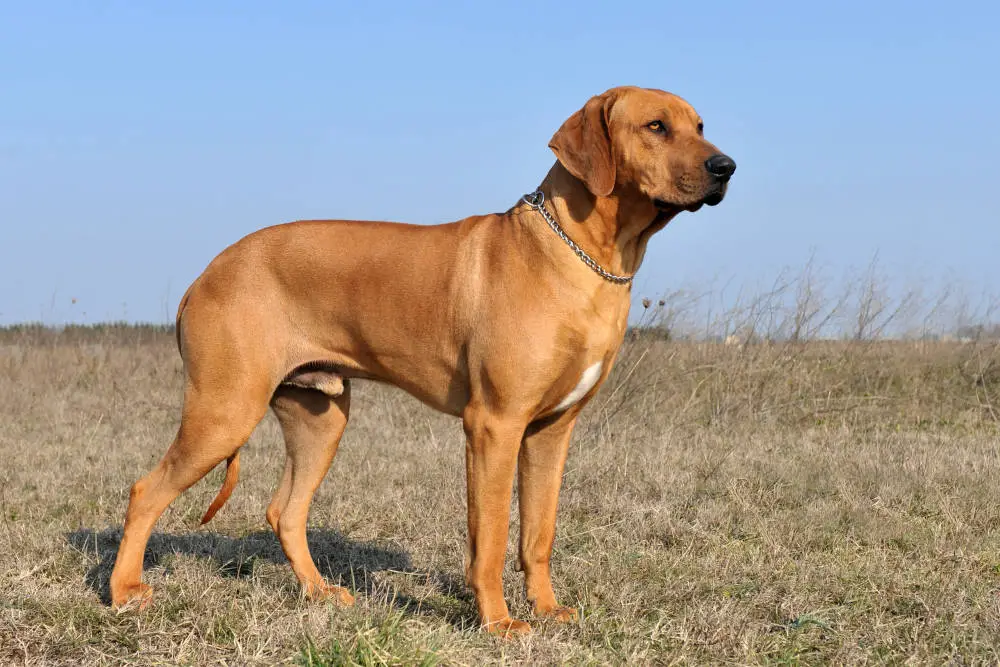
x=347 y=562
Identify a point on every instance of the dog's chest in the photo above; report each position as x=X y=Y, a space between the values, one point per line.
x=593 y=348
x=588 y=379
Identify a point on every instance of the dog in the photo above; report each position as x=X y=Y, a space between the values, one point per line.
x=510 y=321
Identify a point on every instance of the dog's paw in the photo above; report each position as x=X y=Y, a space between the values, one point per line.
x=507 y=628
x=325 y=592
x=137 y=596
x=558 y=613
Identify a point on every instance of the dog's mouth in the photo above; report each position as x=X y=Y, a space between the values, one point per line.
x=713 y=198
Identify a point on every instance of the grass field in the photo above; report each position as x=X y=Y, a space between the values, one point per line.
x=795 y=503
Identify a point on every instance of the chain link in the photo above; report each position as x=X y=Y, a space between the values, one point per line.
x=536 y=200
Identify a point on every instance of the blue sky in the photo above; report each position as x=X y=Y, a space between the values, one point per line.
x=139 y=139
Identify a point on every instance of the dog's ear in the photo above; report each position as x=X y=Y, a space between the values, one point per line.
x=583 y=145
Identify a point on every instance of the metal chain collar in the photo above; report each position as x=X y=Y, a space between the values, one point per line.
x=536 y=200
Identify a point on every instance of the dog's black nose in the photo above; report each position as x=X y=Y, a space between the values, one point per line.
x=721 y=166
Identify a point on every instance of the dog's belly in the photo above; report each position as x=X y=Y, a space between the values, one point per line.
x=586 y=383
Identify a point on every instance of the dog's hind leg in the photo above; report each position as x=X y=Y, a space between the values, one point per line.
x=324 y=380
x=312 y=422
x=213 y=426
x=280 y=497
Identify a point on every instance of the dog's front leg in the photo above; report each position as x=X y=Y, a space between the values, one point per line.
x=492 y=444
x=539 y=476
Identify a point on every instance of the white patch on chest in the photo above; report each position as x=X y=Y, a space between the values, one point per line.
x=586 y=383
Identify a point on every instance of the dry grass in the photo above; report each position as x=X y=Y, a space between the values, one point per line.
x=783 y=503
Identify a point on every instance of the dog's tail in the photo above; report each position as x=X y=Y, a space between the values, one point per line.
x=232 y=475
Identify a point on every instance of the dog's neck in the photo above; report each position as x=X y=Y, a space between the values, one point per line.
x=614 y=230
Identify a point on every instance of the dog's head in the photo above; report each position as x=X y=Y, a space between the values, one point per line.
x=643 y=141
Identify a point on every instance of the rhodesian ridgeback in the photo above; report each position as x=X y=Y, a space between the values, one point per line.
x=510 y=321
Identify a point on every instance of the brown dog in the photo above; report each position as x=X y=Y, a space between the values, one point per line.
x=510 y=321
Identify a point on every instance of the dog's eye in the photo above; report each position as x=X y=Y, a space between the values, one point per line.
x=657 y=126
x=701 y=128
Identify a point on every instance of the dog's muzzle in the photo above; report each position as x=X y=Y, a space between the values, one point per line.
x=721 y=167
